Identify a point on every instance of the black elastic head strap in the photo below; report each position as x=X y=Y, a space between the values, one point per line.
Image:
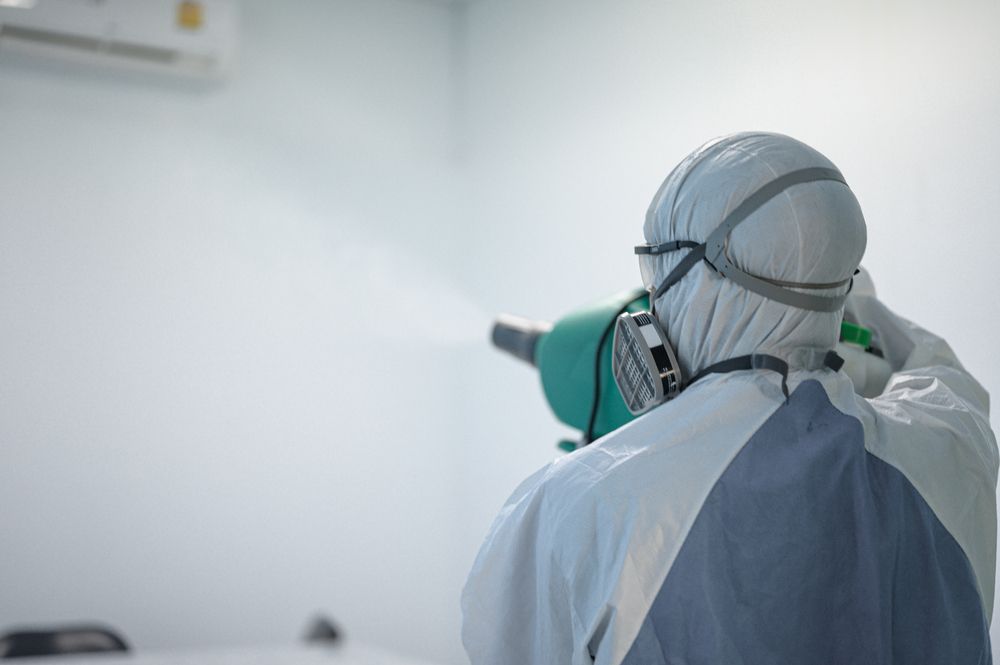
x=763 y=361
x=681 y=269
x=752 y=361
x=713 y=250
x=717 y=242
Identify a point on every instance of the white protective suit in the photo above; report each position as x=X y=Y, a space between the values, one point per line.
x=729 y=525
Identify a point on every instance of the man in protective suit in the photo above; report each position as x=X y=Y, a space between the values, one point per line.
x=735 y=524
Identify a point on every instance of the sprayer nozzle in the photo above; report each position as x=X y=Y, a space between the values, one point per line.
x=518 y=336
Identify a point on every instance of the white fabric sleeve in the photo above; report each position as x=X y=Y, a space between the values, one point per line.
x=516 y=603
x=932 y=423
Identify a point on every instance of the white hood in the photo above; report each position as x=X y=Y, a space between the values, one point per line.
x=811 y=233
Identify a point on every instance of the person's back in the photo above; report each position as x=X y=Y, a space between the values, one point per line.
x=733 y=525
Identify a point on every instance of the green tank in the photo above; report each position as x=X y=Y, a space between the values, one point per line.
x=567 y=354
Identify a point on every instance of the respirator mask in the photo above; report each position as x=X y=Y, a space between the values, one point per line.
x=644 y=362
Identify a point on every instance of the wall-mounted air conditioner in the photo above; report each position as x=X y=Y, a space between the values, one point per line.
x=186 y=37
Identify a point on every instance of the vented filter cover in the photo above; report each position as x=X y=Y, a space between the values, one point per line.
x=644 y=365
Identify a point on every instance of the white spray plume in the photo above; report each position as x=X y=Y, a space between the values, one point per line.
x=416 y=302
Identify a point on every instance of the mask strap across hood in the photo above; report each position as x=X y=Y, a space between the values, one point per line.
x=763 y=361
x=714 y=251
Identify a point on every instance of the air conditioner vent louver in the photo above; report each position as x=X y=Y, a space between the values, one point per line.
x=89 y=44
x=146 y=35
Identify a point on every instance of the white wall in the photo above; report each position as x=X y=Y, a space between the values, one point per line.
x=579 y=108
x=243 y=371
x=224 y=397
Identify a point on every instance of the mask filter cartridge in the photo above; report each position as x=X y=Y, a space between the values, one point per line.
x=644 y=364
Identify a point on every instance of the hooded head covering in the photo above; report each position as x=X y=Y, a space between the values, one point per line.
x=812 y=233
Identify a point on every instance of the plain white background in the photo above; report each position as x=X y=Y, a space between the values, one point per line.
x=244 y=369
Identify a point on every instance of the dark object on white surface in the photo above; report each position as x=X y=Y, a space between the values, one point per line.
x=323 y=630
x=60 y=641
